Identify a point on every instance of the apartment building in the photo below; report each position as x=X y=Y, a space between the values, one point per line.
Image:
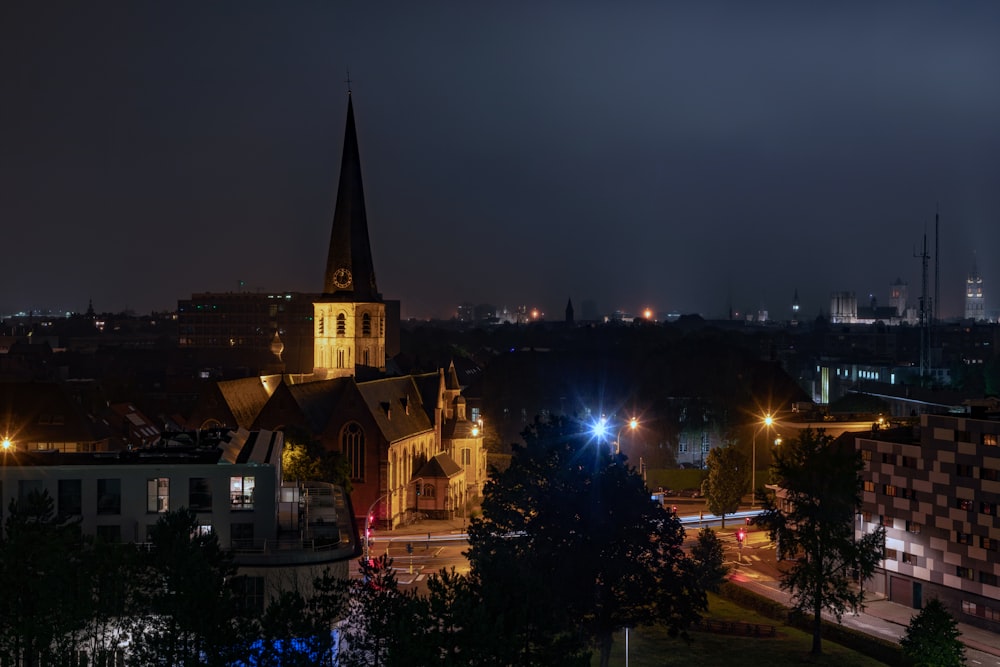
x=936 y=489
x=281 y=535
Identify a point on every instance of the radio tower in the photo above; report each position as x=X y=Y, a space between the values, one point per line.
x=925 y=315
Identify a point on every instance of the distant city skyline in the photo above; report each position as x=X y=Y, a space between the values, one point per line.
x=688 y=159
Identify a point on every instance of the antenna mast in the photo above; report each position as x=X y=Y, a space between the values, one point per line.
x=925 y=311
x=937 y=268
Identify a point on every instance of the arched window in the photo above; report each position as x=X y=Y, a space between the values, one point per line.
x=341 y=324
x=352 y=444
x=427 y=491
x=366 y=325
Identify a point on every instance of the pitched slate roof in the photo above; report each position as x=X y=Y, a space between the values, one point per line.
x=318 y=400
x=441 y=465
x=396 y=406
x=245 y=398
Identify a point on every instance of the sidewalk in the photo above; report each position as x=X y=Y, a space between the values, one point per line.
x=879 y=616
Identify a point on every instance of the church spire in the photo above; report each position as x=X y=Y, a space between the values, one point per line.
x=350 y=272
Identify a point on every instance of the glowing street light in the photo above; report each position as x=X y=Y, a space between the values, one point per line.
x=6 y=444
x=767 y=421
x=632 y=424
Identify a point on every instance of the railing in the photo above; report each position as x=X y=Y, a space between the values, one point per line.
x=285 y=544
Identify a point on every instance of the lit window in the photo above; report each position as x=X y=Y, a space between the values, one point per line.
x=889 y=490
x=990 y=439
x=158 y=494
x=912 y=527
x=241 y=493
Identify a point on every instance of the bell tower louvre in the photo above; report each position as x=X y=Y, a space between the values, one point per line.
x=349 y=317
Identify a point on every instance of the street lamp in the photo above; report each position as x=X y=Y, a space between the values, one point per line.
x=371 y=508
x=768 y=420
x=632 y=424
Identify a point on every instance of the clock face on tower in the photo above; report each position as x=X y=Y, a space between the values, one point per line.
x=342 y=278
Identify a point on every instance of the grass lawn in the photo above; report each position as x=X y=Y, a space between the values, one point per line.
x=650 y=646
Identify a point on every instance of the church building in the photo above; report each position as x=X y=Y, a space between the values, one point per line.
x=410 y=446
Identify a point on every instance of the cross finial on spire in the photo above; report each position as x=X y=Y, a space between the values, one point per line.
x=348 y=81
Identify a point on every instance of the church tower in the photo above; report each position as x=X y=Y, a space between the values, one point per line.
x=975 y=306
x=349 y=318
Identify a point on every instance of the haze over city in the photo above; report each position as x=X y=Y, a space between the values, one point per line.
x=685 y=158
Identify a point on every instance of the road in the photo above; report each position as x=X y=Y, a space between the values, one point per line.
x=754 y=566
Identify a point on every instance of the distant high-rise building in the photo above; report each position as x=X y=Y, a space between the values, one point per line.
x=975 y=305
x=898 y=296
x=843 y=307
x=569 y=311
x=795 y=306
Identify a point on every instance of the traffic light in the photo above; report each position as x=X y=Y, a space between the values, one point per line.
x=740 y=535
x=748 y=521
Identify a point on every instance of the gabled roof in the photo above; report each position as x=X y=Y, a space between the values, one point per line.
x=441 y=465
x=245 y=398
x=318 y=400
x=429 y=386
x=396 y=406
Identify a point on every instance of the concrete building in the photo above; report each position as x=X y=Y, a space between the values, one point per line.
x=937 y=492
x=281 y=535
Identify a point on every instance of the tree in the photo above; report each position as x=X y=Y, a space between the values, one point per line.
x=728 y=479
x=384 y=625
x=709 y=558
x=192 y=611
x=820 y=495
x=931 y=638
x=571 y=549
x=42 y=605
x=304 y=458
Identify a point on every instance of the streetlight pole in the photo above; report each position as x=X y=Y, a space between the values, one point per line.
x=768 y=420
x=632 y=424
x=371 y=508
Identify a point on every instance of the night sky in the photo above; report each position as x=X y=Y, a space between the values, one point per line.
x=686 y=157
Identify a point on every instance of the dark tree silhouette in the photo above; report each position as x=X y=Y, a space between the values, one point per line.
x=570 y=549
x=812 y=520
x=728 y=479
x=932 y=638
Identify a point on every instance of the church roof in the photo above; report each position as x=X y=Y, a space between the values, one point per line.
x=396 y=406
x=318 y=400
x=350 y=272
x=245 y=398
x=453 y=378
x=441 y=465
